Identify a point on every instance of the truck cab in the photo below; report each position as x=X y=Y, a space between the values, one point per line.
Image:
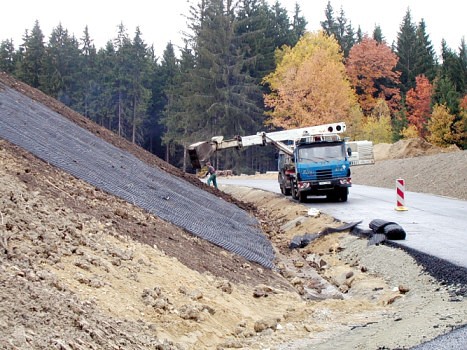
x=319 y=167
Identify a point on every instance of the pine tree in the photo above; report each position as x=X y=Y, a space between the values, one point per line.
x=220 y=94
x=463 y=64
x=426 y=58
x=7 y=57
x=299 y=24
x=87 y=76
x=378 y=35
x=139 y=94
x=253 y=24
x=346 y=35
x=32 y=53
x=338 y=27
x=407 y=49
x=104 y=94
x=448 y=86
x=167 y=96
x=122 y=97
x=329 y=25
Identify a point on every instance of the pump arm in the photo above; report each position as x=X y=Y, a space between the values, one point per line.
x=200 y=152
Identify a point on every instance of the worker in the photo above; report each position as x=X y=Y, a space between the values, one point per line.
x=212 y=175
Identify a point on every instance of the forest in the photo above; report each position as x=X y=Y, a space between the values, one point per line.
x=247 y=67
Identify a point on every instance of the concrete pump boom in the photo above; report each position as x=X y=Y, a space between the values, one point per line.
x=200 y=152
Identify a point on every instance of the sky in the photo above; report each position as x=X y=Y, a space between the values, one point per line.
x=163 y=21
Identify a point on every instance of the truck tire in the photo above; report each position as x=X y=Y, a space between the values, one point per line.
x=284 y=190
x=283 y=184
x=344 y=194
x=333 y=196
x=294 y=190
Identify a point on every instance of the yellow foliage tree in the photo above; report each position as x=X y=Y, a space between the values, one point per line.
x=377 y=127
x=355 y=123
x=410 y=132
x=309 y=85
x=439 y=126
x=460 y=126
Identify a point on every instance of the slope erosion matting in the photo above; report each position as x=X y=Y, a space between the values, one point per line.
x=58 y=141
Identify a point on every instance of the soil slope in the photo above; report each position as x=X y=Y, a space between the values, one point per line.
x=424 y=167
x=81 y=269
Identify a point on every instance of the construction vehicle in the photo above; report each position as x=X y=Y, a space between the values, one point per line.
x=311 y=160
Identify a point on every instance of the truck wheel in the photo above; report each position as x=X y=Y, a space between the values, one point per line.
x=302 y=197
x=282 y=189
x=333 y=196
x=344 y=193
x=294 y=190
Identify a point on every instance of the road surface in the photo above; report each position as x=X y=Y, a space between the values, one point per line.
x=434 y=225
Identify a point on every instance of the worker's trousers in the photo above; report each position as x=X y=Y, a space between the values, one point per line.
x=212 y=179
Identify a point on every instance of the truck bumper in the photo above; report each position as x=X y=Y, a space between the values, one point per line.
x=324 y=186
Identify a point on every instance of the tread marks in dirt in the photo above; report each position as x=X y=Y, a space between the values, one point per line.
x=54 y=139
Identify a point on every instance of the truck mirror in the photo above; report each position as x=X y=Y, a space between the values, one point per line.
x=349 y=151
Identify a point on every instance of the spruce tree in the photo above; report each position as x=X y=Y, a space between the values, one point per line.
x=407 y=49
x=340 y=29
x=453 y=67
x=104 y=94
x=121 y=90
x=299 y=24
x=426 y=57
x=166 y=89
x=32 y=53
x=88 y=85
x=378 y=35
x=330 y=25
x=462 y=88
x=61 y=67
x=139 y=94
x=7 y=57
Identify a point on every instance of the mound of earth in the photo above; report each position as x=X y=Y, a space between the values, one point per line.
x=408 y=148
x=81 y=269
x=441 y=173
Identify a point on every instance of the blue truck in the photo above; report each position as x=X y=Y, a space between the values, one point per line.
x=312 y=161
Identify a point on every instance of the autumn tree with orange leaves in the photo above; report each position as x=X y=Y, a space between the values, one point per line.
x=371 y=71
x=418 y=102
x=309 y=85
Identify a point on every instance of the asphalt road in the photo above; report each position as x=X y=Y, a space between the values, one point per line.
x=434 y=225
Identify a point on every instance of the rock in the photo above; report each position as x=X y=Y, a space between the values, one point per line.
x=403 y=289
x=262 y=325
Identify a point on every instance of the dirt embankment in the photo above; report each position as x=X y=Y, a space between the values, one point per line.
x=81 y=269
x=76 y=272
x=424 y=167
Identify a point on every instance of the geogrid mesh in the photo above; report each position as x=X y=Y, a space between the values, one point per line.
x=58 y=141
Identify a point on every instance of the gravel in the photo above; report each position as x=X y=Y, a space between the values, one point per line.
x=443 y=174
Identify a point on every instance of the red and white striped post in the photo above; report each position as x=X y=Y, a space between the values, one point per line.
x=400 y=188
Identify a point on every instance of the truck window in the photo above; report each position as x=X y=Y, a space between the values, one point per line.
x=320 y=153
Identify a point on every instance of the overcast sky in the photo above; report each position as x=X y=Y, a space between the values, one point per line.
x=162 y=21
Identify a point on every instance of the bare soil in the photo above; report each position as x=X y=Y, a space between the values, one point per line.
x=81 y=269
